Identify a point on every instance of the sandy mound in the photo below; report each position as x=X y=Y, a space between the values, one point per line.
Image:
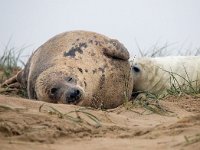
x=27 y=124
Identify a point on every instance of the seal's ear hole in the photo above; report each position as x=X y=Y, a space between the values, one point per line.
x=70 y=79
x=136 y=69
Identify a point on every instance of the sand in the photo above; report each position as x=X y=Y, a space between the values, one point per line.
x=30 y=124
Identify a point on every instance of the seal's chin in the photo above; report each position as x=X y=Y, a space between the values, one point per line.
x=74 y=101
x=71 y=102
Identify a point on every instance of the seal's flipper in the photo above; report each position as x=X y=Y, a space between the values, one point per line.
x=9 y=81
x=116 y=50
x=19 y=76
x=15 y=85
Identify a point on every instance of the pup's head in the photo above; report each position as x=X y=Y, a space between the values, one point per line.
x=143 y=70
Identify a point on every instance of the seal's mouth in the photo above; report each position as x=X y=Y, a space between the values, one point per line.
x=70 y=100
x=76 y=102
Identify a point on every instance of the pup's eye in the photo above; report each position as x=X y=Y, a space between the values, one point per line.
x=135 y=69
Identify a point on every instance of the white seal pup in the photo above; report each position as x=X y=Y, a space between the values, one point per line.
x=156 y=75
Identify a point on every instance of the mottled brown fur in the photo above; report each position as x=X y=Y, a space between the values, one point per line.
x=97 y=63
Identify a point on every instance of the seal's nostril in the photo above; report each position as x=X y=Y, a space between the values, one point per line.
x=73 y=95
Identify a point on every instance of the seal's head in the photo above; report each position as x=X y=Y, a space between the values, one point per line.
x=58 y=86
x=144 y=72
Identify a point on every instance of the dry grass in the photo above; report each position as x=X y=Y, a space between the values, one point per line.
x=191 y=139
x=178 y=89
x=10 y=61
x=76 y=116
x=157 y=50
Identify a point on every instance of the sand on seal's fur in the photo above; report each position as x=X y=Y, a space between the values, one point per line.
x=91 y=63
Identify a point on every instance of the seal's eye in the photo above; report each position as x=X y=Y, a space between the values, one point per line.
x=135 y=69
x=53 y=90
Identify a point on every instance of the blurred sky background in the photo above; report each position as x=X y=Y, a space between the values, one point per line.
x=30 y=23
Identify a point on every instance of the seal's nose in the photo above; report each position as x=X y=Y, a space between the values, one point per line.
x=73 y=95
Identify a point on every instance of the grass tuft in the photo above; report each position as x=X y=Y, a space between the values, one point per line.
x=77 y=116
x=191 y=139
x=9 y=62
x=177 y=88
x=127 y=88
